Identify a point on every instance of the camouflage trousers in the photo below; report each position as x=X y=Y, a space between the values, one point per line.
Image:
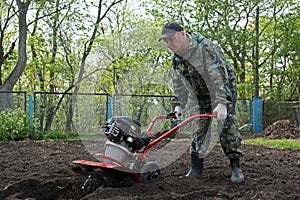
x=227 y=134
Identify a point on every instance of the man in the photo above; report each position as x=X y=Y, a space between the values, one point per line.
x=177 y=111
x=205 y=77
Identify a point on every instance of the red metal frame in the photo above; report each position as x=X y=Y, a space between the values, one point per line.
x=153 y=122
x=96 y=164
x=168 y=133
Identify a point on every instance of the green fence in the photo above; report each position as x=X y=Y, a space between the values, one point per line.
x=88 y=112
x=69 y=112
x=144 y=107
x=280 y=110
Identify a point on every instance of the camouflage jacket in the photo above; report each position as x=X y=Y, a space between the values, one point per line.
x=204 y=74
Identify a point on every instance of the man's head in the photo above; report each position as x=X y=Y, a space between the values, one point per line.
x=169 y=30
x=174 y=36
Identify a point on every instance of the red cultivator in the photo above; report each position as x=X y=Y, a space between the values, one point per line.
x=126 y=149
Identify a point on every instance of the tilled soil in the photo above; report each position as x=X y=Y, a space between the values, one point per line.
x=44 y=170
x=282 y=129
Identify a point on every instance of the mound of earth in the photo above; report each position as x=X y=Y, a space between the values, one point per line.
x=282 y=129
x=44 y=170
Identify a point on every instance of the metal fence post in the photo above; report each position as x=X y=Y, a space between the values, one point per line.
x=109 y=106
x=30 y=109
x=250 y=124
x=257 y=114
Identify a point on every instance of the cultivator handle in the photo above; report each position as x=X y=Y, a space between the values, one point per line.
x=168 y=133
x=153 y=122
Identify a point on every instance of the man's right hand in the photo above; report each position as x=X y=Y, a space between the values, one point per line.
x=221 y=111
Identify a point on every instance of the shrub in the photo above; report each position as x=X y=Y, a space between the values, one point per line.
x=15 y=125
x=54 y=135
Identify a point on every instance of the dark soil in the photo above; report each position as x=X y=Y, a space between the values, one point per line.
x=282 y=129
x=44 y=170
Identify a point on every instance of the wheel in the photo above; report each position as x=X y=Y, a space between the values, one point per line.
x=91 y=184
x=150 y=171
x=94 y=181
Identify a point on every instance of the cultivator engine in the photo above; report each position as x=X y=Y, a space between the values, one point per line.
x=122 y=130
x=124 y=139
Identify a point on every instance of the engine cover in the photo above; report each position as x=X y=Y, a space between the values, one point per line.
x=119 y=126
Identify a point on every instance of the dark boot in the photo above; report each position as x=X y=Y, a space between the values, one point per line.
x=236 y=173
x=196 y=167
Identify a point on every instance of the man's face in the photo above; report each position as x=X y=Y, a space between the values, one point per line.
x=176 y=43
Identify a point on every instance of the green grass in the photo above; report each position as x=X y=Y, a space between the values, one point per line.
x=275 y=143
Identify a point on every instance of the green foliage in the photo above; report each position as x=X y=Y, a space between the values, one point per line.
x=282 y=143
x=232 y=24
x=131 y=61
x=243 y=113
x=275 y=110
x=54 y=135
x=15 y=125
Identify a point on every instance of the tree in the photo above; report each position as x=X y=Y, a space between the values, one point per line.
x=232 y=24
x=8 y=84
x=102 y=11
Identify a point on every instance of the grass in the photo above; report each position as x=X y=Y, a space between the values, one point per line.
x=275 y=143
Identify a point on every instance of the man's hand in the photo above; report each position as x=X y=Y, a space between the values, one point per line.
x=221 y=111
x=171 y=115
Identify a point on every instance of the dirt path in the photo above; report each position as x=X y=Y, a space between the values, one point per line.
x=43 y=170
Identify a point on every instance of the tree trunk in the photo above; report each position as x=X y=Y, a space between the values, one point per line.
x=257 y=54
x=49 y=117
x=69 y=114
x=6 y=100
x=298 y=83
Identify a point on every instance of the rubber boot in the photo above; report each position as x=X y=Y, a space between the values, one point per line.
x=196 y=167
x=236 y=172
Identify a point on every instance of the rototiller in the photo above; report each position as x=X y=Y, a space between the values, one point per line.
x=126 y=147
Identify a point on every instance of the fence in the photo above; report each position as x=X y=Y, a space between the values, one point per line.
x=280 y=110
x=18 y=99
x=69 y=112
x=88 y=112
